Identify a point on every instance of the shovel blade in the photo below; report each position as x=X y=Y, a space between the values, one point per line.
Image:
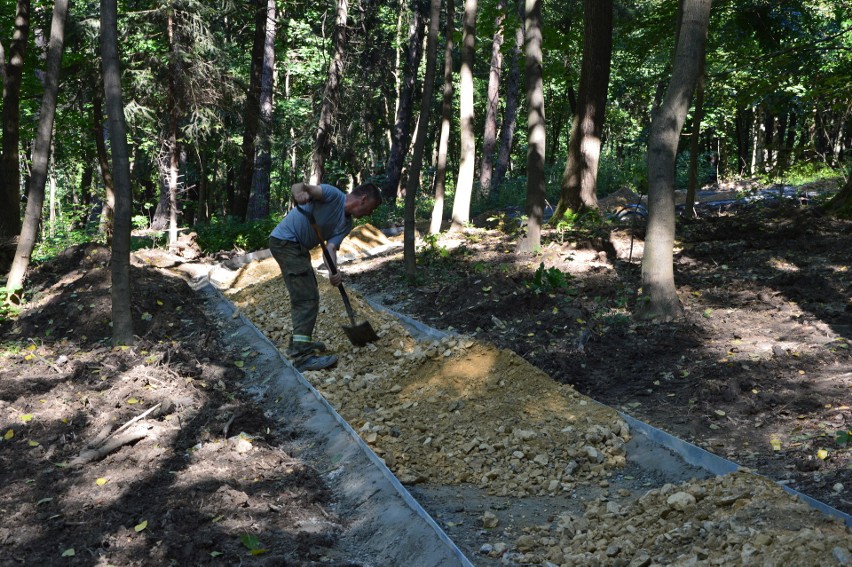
x=360 y=334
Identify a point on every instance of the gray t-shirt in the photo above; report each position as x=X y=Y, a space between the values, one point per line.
x=330 y=215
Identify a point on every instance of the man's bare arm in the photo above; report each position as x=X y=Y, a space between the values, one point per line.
x=303 y=193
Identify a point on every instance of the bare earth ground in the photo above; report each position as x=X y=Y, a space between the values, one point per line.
x=517 y=466
x=205 y=478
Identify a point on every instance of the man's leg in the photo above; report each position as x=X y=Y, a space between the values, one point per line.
x=295 y=263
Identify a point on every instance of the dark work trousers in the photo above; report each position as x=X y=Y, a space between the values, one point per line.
x=295 y=263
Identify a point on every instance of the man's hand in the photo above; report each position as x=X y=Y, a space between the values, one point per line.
x=304 y=193
x=335 y=278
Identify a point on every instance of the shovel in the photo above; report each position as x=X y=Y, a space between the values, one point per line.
x=359 y=334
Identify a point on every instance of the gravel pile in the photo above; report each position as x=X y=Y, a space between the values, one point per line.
x=457 y=411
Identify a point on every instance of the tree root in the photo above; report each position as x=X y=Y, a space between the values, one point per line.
x=105 y=442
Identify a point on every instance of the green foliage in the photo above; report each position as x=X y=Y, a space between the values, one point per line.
x=617 y=172
x=50 y=247
x=546 y=280
x=228 y=234
x=139 y=222
x=705 y=174
x=8 y=310
x=431 y=252
x=808 y=172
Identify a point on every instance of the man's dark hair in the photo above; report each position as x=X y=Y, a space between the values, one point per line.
x=370 y=190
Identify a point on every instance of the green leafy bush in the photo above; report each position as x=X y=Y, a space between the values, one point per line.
x=228 y=234
x=431 y=252
x=547 y=280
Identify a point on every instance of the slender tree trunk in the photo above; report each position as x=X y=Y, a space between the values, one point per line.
x=251 y=113
x=108 y=209
x=413 y=185
x=741 y=122
x=536 y=139
x=122 y=319
x=757 y=142
x=510 y=115
x=203 y=191
x=10 y=178
x=464 y=185
x=446 y=120
x=401 y=135
x=659 y=300
x=41 y=150
x=166 y=212
x=579 y=182
x=260 y=186
x=692 y=185
x=489 y=137
x=331 y=96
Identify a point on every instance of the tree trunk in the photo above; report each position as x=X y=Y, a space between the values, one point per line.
x=108 y=209
x=841 y=204
x=742 y=122
x=122 y=319
x=659 y=300
x=446 y=120
x=41 y=150
x=251 y=113
x=401 y=135
x=260 y=186
x=757 y=142
x=536 y=138
x=692 y=185
x=166 y=212
x=489 y=138
x=203 y=191
x=420 y=142
x=464 y=185
x=330 y=96
x=10 y=188
x=510 y=114
x=579 y=182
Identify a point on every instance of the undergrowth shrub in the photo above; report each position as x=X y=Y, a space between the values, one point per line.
x=228 y=234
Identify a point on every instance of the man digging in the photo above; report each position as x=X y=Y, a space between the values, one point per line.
x=291 y=243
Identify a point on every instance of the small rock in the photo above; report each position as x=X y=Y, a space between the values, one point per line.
x=641 y=559
x=570 y=468
x=524 y=434
x=486 y=549
x=525 y=543
x=489 y=520
x=681 y=500
x=842 y=555
x=613 y=550
x=242 y=446
x=838 y=488
x=541 y=459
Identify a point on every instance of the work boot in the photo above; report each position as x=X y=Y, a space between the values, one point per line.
x=298 y=348
x=314 y=362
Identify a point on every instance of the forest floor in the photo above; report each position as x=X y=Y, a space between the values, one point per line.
x=759 y=371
